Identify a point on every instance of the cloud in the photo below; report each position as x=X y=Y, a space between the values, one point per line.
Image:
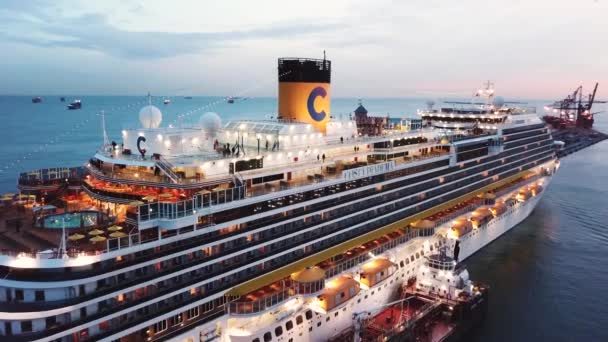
x=94 y=32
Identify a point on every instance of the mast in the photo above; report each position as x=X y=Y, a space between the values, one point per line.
x=106 y=140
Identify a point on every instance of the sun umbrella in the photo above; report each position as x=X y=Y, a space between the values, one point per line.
x=115 y=228
x=118 y=235
x=96 y=232
x=149 y=198
x=136 y=203
x=75 y=237
x=97 y=238
x=165 y=195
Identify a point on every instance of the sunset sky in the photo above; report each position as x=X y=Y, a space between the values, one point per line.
x=529 y=49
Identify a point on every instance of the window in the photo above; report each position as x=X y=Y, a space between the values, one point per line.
x=19 y=294
x=319 y=324
x=308 y=314
x=267 y=337
x=160 y=326
x=39 y=296
x=26 y=326
x=289 y=325
x=336 y=314
x=278 y=331
x=327 y=319
x=299 y=320
x=194 y=312
x=51 y=321
x=256 y=340
x=175 y=320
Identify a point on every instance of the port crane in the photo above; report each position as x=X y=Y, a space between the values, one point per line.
x=575 y=109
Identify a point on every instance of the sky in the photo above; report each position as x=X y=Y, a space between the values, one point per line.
x=380 y=48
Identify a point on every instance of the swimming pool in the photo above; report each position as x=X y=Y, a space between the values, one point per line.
x=72 y=220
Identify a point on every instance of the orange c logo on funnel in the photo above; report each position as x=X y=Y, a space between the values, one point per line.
x=316 y=92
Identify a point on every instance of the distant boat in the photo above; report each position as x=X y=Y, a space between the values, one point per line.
x=230 y=100
x=167 y=101
x=188 y=97
x=76 y=104
x=62 y=99
x=37 y=99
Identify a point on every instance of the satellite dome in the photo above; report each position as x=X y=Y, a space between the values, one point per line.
x=211 y=123
x=150 y=117
x=499 y=101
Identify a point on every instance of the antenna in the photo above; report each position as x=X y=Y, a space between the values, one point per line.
x=149 y=99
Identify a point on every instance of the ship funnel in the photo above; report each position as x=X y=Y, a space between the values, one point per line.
x=304 y=91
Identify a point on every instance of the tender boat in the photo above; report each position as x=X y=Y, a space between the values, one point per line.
x=76 y=104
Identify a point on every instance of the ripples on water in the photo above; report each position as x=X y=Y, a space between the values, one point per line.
x=548 y=275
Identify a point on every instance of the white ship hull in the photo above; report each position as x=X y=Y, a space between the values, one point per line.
x=323 y=326
x=498 y=226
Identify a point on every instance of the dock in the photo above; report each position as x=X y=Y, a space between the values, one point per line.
x=576 y=139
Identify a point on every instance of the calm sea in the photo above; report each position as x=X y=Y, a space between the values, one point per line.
x=548 y=276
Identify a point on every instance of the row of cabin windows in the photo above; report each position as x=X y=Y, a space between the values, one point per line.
x=278 y=331
x=20 y=296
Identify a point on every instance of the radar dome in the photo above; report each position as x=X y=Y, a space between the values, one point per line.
x=150 y=117
x=211 y=123
x=499 y=101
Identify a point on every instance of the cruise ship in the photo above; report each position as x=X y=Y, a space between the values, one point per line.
x=267 y=230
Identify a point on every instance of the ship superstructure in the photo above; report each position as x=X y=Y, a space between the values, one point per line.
x=268 y=230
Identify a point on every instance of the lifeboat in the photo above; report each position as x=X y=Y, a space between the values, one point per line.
x=423 y=224
x=308 y=281
x=536 y=189
x=337 y=292
x=461 y=227
x=376 y=271
x=523 y=195
x=425 y=227
x=498 y=209
x=481 y=216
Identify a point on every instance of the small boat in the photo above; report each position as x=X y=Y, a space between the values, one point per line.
x=230 y=100
x=62 y=99
x=167 y=101
x=76 y=104
x=188 y=97
x=37 y=99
